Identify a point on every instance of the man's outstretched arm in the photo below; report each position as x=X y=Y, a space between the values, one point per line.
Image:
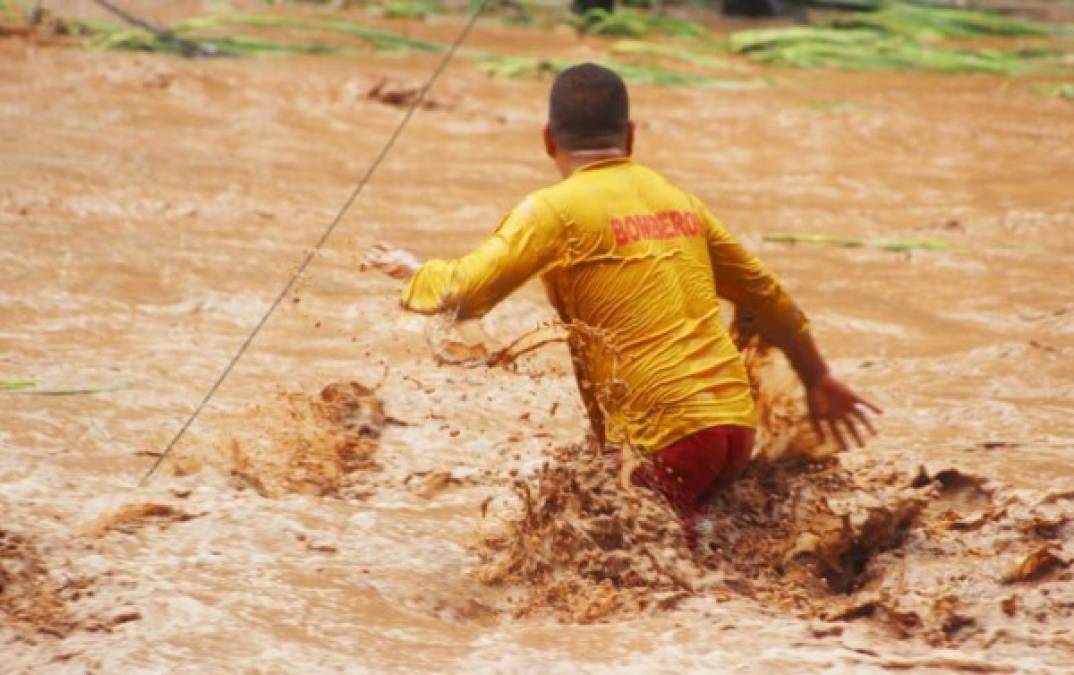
x=527 y=242
x=766 y=309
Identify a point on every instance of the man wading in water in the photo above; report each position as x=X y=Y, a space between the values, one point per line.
x=638 y=264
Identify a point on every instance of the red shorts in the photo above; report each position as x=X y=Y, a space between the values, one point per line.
x=690 y=470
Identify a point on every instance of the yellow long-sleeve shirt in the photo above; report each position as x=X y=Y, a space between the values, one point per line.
x=635 y=266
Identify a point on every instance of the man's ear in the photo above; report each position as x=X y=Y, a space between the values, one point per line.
x=629 y=138
x=549 y=142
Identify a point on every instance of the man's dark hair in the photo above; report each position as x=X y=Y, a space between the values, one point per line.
x=588 y=108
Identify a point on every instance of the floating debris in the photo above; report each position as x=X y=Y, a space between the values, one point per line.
x=133 y=517
x=428 y=484
x=1037 y=565
x=399 y=95
x=898 y=245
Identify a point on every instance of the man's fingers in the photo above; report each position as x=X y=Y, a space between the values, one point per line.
x=378 y=250
x=382 y=257
x=864 y=419
x=868 y=404
x=814 y=421
x=838 y=435
x=849 y=422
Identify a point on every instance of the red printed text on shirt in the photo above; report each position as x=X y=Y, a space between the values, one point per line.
x=662 y=225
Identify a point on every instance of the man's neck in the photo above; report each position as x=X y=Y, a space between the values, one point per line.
x=572 y=161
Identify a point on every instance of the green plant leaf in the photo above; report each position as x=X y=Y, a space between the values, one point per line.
x=16 y=385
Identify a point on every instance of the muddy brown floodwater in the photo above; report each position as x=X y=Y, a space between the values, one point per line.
x=347 y=504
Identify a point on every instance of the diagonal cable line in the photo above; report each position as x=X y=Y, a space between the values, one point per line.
x=418 y=100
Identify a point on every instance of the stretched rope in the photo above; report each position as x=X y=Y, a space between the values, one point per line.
x=459 y=39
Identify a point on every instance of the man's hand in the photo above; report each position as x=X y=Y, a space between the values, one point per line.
x=397 y=263
x=833 y=406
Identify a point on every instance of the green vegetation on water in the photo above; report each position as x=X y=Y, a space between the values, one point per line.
x=875 y=4
x=518 y=66
x=412 y=9
x=866 y=50
x=842 y=4
x=915 y=21
x=142 y=40
x=15 y=385
x=895 y=37
x=833 y=106
x=640 y=74
x=1057 y=89
x=524 y=67
x=632 y=23
x=201 y=30
x=9 y=11
x=380 y=39
x=889 y=35
x=20 y=386
x=674 y=52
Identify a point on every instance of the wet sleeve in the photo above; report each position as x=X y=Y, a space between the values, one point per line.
x=528 y=241
x=761 y=303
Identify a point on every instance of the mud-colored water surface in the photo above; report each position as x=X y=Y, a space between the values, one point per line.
x=350 y=502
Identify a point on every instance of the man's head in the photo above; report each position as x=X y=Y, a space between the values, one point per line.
x=588 y=109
